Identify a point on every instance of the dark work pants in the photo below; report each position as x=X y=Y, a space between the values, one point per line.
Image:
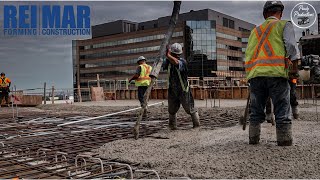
x=141 y=91
x=279 y=91
x=177 y=98
x=4 y=93
x=293 y=98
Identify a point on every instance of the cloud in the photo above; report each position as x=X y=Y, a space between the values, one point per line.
x=31 y=60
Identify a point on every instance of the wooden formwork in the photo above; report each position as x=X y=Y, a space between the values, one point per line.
x=235 y=92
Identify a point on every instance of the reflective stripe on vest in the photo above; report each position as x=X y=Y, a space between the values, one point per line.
x=144 y=79
x=4 y=82
x=265 y=54
x=184 y=88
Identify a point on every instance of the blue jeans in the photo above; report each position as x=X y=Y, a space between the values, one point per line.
x=279 y=91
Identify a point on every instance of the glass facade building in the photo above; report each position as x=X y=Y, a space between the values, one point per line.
x=200 y=47
x=213 y=44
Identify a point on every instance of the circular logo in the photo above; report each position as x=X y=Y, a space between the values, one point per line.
x=303 y=15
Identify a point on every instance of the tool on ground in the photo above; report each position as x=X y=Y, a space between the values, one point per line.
x=157 y=64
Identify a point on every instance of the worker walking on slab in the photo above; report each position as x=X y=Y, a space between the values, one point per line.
x=142 y=79
x=4 y=88
x=271 y=50
x=178 y=91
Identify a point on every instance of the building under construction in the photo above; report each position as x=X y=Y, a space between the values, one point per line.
x=214 y=45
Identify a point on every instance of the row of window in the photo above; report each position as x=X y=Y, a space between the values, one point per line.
x=201 y=24
x=133 y=40
x=228 y=23
x=244 y=40
x=118 y=61
x=204 y=37
x=243 y=29
x=223 y=46
x=232 y=58
x=121 y=52
x=227 y=36
x=203 y=31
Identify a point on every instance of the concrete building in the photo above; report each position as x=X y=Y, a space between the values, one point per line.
x=213 y=44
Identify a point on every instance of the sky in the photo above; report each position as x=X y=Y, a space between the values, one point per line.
x=31 y=61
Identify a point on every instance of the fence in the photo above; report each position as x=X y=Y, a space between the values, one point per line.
x=206 y=89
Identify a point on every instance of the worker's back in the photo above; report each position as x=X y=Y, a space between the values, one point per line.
x=265 y=53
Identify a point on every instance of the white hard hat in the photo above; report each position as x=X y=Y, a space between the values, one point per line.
x=176 y=48
x=141 y=58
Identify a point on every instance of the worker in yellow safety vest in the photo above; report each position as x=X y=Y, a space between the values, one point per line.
x=4 y=88
x=271 y=50
x=142 y=79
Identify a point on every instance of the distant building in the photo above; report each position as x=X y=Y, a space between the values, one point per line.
x=213 y=44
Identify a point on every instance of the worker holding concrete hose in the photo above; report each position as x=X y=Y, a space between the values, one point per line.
x=271 y=50
x=179 y=92
x=4 y=88
x=142 y=79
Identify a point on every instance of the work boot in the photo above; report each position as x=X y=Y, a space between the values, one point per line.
x=195 y=119
x=254 y=133
x=173 y=122
x=284 y=134
x=295 y=112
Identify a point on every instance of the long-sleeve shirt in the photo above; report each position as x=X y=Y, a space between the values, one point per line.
x=292 y=50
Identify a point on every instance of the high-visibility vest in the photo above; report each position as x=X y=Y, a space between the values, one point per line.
x=144 y=79
x=265 y=53
x=4 y=81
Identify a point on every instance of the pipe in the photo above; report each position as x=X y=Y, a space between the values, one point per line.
x=107 y=115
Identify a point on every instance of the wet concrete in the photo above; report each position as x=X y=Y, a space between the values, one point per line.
x=225 y=152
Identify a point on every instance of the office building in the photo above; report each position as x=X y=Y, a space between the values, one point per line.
x=213 y=44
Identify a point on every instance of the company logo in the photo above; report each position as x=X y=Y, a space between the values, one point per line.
x=47 y=20
x=303 y=15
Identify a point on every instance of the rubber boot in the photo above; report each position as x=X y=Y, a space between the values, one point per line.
x=173 y=122
x=195 y=119
x=284 y=134
x=254 y=133
x=295 y=112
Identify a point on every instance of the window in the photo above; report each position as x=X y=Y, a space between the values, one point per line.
x=155 y=25
x=231 y=24
x=225 y=22
x=142 y=27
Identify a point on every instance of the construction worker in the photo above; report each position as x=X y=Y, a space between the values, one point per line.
x=4 y=88
x=179 y=92
x=142 y=79
x=271 y=49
